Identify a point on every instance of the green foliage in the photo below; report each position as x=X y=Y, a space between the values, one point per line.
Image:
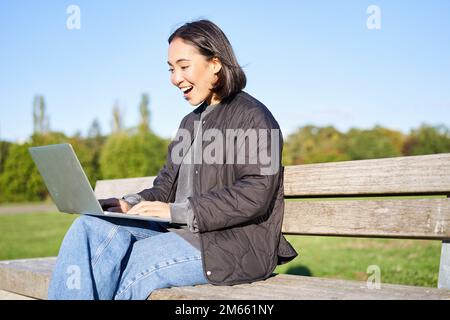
x=132 y=155
x=42 y=139
x=372 y=144
x=92 y=167
x=20 y=180
x=87 y=150
x=428 y=140
x=87 y=156
x=311 y=144
x=4 y=149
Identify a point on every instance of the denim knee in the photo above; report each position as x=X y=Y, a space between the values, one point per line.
x=87 y=222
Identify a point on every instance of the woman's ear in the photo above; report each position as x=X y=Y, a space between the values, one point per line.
x=216 y=65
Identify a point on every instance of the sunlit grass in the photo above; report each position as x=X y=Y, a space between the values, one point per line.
x=412 y=262
x=32 y=234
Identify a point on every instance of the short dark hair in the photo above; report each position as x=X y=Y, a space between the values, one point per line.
x=211 y=42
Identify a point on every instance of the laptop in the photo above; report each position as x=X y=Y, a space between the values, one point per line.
x=68 y=185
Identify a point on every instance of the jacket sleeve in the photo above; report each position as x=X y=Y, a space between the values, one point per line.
x=252 y=192
x=165 y=179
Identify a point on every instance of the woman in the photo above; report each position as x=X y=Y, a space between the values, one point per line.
x=225 y=204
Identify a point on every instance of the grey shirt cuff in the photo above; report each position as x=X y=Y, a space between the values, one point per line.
x=182 y=213
x=178 y=212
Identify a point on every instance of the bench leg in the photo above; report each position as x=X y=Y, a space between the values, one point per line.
x=444 y=268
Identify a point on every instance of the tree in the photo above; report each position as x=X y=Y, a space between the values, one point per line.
x=137 y=155
x=311 y=144
x=427 y=140
x=41 y=122
x=21 y=180
x=144 y=122
x=94 y=142
x=88 y=158
x=95 y=129
x=117 y=125
x=373 y=143
x=4 y=150
x=51 y=137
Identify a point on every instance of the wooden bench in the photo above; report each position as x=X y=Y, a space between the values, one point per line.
x=396 y=217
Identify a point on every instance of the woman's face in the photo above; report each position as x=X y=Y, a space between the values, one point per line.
x=192 y=73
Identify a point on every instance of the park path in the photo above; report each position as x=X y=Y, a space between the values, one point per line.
x=27 y=208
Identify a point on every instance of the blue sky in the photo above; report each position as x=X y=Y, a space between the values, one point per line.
x=309 y=62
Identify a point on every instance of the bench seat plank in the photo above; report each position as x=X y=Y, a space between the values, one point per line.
x=5 y=295
x=292 y=287
x=30 y=277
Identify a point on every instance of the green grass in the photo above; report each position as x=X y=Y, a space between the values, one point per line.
x=32 y=235
x=413 y=262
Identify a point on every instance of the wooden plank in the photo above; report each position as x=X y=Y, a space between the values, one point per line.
x=28 y=277
x=301 y=288
x=5 y=295
x=117 y=188
x=399 y=175
x=397 y=218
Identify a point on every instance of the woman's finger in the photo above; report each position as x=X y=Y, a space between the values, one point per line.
x=107 y=203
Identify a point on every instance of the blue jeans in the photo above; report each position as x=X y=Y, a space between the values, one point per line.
x=114 y=258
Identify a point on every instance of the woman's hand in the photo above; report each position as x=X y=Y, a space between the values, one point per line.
x=151 y=208
x=114 y=205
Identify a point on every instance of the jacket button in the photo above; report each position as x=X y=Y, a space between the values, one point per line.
x=208 y=273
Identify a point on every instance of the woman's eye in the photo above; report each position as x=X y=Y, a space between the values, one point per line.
x=182 y=68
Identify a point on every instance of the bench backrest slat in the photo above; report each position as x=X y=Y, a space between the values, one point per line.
x=117 y=188
x=396 y=218
x=401 y=175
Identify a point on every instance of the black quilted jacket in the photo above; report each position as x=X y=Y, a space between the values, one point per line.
x=239 y=211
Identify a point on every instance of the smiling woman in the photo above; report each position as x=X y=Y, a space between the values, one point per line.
x=192 y=73
x=224 y=220
x=203 y=64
